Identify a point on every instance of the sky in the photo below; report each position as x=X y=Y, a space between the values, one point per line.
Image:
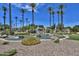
x=71 y=13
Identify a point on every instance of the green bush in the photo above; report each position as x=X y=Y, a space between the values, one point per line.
x=9 y=53
x=7 y=31
x=30 y=41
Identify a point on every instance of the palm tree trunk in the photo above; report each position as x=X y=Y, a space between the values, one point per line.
x=32 y=16
x=50 y=20
x=62 y=25
x=58 y=19
x=53 y=19
x=4 y=23
x=58 y=22
x=10 y=17
x=23 y=20
x=62 y=21
x=16 y=24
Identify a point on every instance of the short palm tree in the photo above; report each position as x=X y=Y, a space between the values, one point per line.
x=33 y=7
x=4 y=9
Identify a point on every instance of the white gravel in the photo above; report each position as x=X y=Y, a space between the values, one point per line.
x=45 y=48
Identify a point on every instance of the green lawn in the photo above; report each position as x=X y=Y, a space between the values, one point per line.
x=74 y=37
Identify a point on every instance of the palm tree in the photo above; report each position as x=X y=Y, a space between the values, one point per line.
x=53 y=17
x=50 y=12
x=58 y=17
x=59 y=25
x=10 y=18
x=4 y=9
x=61 y=12
x=16 y=21
x=23 y=11
x=33 y=7
x=20 y=25
x=26 y=21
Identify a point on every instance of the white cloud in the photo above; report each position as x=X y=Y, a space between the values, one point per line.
x=27 y=6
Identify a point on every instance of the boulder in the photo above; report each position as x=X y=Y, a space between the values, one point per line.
x=2 y=42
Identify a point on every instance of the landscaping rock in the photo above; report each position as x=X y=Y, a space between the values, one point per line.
x=2 y=42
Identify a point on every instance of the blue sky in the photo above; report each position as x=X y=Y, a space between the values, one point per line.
x=71 y=13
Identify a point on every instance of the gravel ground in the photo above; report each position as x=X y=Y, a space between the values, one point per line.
x=45 y=48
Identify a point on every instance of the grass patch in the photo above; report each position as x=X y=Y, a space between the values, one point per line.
x=30 y=41
x=9 y=53
x=21 y=33
x=74 y=37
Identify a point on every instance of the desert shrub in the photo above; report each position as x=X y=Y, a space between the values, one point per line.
x=56 y=41
x=5 y=43
x=8 y=32
x=12 y=33
x=9 y=53
x=30 y=41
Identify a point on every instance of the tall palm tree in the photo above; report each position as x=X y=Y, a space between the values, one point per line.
x=61 y=12
x=53 y=16
x=58 y=17
x=4 y=9
x=10 y=18
x=33 y=7
x=58 y=25
x=16 y=21
x=23 y=11
x=50 y=13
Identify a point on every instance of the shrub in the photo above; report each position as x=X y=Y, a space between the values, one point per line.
x=5 y=43
x=8 y=32
x=9 y=53
x=56 y=41
x=30 y=41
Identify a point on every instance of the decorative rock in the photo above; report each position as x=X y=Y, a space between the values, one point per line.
x=2 y=42
x=3 y=36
